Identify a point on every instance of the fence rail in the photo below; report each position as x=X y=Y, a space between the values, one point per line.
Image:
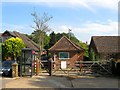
x=80 y=67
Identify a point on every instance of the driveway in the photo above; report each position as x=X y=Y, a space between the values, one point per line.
x=63 y=82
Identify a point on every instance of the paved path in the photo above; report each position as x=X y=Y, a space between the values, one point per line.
x=63 y=82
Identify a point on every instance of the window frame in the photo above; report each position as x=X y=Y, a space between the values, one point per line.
x=64 y=58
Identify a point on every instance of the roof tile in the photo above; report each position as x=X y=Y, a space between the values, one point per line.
x=107 y=43
x=64 y=44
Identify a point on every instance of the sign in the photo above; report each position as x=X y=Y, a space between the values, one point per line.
x=63 y=65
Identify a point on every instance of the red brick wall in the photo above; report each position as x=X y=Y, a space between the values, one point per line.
x=74 y=56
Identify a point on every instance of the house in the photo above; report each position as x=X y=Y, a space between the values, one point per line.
x=28 y=42
x=104 y=47
x=66 y=52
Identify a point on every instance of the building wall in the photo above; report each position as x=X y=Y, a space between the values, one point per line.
x=74 y=56
x=107 y=56
x=6 y=37
x=71 y=54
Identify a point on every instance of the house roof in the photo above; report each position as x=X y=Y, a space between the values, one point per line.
x=28 y=42
x=64 y=44
x=106 y=44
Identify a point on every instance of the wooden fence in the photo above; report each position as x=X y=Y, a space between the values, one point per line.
x=79 y=68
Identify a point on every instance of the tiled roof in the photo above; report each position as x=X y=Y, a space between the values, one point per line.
x=28 y=42
x=64 y=44
x=105 y=44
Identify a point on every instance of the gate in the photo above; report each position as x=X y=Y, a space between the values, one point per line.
x=79 y=68
x=65 y=68
x=83 y=68
x=96 y=67
x=47 y=66
x=68 y=66
x=27 y=62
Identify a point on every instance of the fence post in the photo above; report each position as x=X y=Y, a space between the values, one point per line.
x=37 y=67
x=50 y=67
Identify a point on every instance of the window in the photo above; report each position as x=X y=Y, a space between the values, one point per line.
x=63 y=55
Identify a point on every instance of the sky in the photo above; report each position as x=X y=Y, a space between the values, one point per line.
x=85 y=18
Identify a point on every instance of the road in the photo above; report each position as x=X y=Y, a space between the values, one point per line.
x=62 y=82
x=4 y=81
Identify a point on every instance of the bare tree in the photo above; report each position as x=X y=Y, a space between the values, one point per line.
x=41 y=27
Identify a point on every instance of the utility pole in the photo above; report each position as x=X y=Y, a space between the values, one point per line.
x=1 y=41
x=69 y=30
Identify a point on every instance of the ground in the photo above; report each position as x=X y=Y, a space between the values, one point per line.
x=61 y=82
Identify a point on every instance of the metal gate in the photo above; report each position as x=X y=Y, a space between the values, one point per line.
x=27 y=62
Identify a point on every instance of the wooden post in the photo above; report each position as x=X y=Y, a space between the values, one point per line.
x=20 y=66
x=37 y=67
x=50 y=67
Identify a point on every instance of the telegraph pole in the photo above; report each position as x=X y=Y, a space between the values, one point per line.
x=69 y=30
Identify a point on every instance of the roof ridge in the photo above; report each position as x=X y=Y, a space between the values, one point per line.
x=16 y=33
x=78 y=45
x=27 y=41
x=56 y=42
x=106 y=43
x=74 y=44
x=31 y=41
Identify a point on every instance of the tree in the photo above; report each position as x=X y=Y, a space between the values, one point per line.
x=85 y=47
x=46 y=42
x=41 y=27
x=92 y=55
x=52 y=39
x=12 y=47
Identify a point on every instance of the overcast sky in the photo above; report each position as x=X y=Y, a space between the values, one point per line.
x=86 y=18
